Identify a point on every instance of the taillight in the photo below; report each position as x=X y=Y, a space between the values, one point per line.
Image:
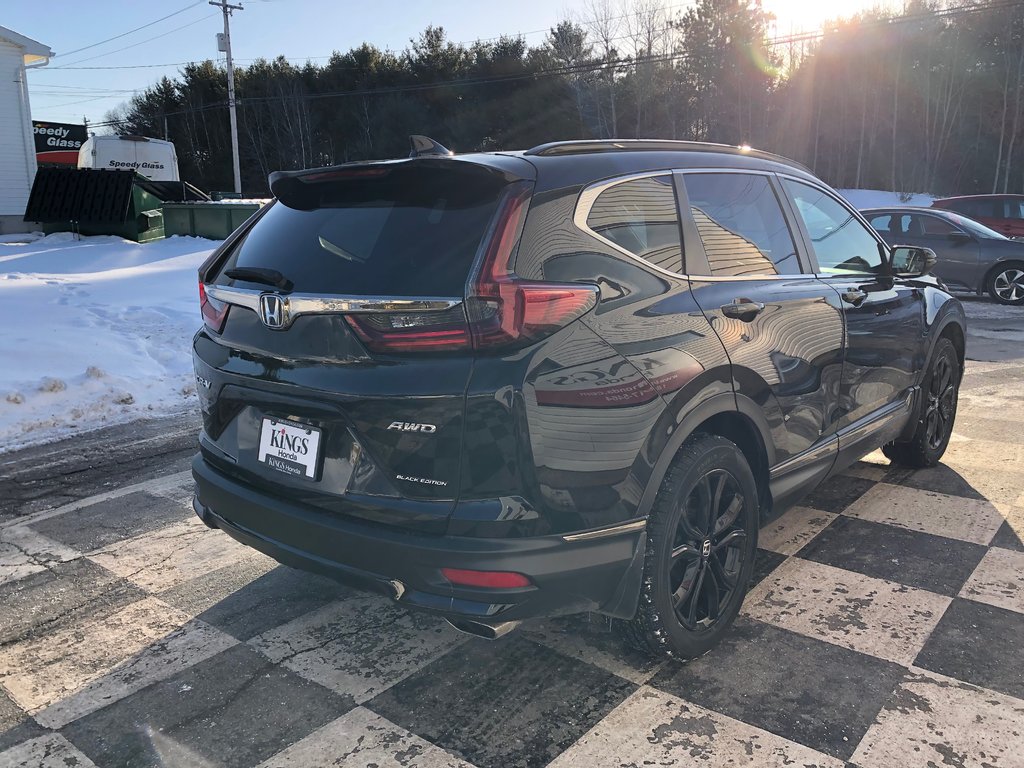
x=502 y=311
x=214 y=312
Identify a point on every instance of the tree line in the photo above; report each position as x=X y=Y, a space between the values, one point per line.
x=930 y=100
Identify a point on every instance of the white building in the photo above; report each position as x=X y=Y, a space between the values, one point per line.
x=17 y=146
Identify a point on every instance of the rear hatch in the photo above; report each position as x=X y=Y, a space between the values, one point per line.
x=338 y=343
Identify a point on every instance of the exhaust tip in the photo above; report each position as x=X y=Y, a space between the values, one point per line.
x=486 y=630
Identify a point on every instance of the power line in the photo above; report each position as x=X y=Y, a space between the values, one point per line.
x=120 y=66
x=131 y=31
x=83 y=101
x=297 y=58
x=136 y=45
x=771 y=42
x=45 y=86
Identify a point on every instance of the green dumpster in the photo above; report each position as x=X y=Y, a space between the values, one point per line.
x=214 y=220
x=95 y=202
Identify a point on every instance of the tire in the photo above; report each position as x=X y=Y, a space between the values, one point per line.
x=936 y=411
x=1006 y=284
x=699 y=576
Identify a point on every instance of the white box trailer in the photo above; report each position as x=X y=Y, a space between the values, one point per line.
x=153 y=158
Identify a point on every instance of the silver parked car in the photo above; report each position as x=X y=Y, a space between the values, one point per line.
x=970 y=255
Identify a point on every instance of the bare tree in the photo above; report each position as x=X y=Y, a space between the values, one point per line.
x=1016 y=117
x=604 y=21
x=646 y=28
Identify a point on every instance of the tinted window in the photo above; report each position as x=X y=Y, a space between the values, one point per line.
x=984 y=209
x=641 y=217
x=741 y=224
x=841 y=243
x=406 y=232
x=974 y=228
x=931 y=226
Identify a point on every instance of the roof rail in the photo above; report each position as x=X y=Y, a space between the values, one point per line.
x=584 y=146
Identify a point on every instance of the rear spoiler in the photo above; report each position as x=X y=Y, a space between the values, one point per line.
x=296 y=189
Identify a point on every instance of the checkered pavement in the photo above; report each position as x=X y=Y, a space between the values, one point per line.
x=885 y=628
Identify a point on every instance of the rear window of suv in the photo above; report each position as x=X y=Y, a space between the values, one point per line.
x=410 y=231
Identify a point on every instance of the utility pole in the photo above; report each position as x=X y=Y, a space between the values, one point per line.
x=224 y=44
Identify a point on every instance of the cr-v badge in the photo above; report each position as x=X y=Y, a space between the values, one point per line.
x=406 y=426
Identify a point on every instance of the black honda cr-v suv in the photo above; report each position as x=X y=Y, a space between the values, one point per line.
x=576 y=378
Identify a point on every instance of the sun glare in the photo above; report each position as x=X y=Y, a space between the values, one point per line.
x=809 y=15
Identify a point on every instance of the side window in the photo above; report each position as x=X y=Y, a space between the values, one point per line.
x=641 y=216
x=933 y=226
x=1014 y=209
x=888 y=224
x=979 y=209
x=842 y=244
x=741 y=224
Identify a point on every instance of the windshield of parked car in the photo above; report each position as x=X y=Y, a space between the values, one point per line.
x=974 y=228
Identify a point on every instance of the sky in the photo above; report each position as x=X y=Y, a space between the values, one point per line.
x=87 y=83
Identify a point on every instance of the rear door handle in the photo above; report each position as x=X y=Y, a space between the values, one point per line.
x=743 y=309
x=854 y=296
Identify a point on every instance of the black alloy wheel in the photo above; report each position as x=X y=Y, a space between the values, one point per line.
x=708 y=552
x=701 y=541
x=936 y=411
x=941 y=405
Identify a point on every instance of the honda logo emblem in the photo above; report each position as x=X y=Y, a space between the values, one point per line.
x=274 y=311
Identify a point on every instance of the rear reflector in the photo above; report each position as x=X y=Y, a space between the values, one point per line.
x=214 y=312
x=486 y=579
x=412 y=331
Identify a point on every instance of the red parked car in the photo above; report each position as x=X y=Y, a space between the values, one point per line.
x=1003 y=213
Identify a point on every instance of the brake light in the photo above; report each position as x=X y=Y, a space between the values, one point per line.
x=349 y=173
x=214 y=312
x=502 y=311
x=486 y=579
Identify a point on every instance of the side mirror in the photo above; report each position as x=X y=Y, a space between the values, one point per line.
x=911 y=261
x=960 y=237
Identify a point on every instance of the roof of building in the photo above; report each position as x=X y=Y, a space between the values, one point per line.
x=35 y=53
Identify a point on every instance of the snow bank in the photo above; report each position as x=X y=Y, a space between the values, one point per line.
x=878 y=198
x=94 y=331
x=20 y=238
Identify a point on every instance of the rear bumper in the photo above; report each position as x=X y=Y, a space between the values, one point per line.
x=592 y=573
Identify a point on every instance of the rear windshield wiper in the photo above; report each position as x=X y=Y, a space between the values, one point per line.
x=260 y=275
x=337 y=250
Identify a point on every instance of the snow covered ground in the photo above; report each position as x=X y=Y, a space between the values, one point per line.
x=877 y=198
x=94 y=331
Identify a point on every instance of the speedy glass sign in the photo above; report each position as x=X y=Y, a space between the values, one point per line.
x=58 y=143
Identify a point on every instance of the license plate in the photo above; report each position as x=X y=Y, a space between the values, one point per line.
x=289 y=447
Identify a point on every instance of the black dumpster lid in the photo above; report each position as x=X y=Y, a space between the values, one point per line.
x=84 y=195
